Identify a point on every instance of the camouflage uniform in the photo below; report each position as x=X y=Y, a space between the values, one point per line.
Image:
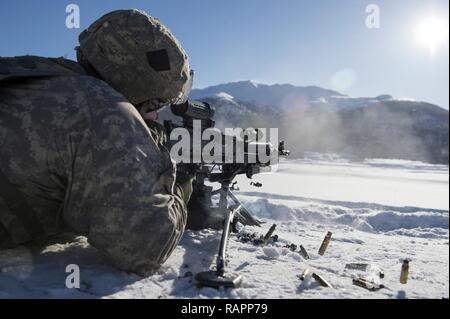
x=80 y=157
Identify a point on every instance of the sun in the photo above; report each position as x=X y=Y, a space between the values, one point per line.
x=432 y=33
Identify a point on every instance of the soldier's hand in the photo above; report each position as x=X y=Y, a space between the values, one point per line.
x=184 y=178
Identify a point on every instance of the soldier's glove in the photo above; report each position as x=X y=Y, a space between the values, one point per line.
x=184 y=178
x=157 y=131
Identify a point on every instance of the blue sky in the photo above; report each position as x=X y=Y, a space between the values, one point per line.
x=320 y=42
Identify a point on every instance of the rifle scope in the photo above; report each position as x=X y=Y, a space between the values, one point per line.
x=194 y=110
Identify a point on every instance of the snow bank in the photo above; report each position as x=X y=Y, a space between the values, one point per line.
x=427 y=223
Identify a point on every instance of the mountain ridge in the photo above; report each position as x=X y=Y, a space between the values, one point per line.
x=285 y=94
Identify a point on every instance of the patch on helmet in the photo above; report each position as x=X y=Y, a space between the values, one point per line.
x=158 y=60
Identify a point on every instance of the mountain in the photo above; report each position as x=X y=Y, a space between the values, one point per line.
x=312 y=119
x=283 y=96
x=278 y=95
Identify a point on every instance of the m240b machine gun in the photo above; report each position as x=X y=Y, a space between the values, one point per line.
x=201 y=113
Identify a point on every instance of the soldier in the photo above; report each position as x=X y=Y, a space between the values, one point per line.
x=76 y=153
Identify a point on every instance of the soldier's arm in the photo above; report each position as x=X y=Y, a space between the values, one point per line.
x=141 y=237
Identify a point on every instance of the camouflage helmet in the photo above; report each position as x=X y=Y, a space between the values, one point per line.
x=138 y=56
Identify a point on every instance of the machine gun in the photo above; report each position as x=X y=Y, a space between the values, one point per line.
x=224 y=172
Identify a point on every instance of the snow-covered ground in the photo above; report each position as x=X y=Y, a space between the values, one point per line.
x=379 y=211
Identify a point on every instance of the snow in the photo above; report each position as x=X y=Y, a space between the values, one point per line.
x=407 y=99
x=224 y=96
x=254 y=83
x=379 y=211
x=271 y=252
x=348 y=102
x=385 y=182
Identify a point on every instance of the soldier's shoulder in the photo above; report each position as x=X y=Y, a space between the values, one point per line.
x=64 y=73
x=35 y=66
x=92 y=85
